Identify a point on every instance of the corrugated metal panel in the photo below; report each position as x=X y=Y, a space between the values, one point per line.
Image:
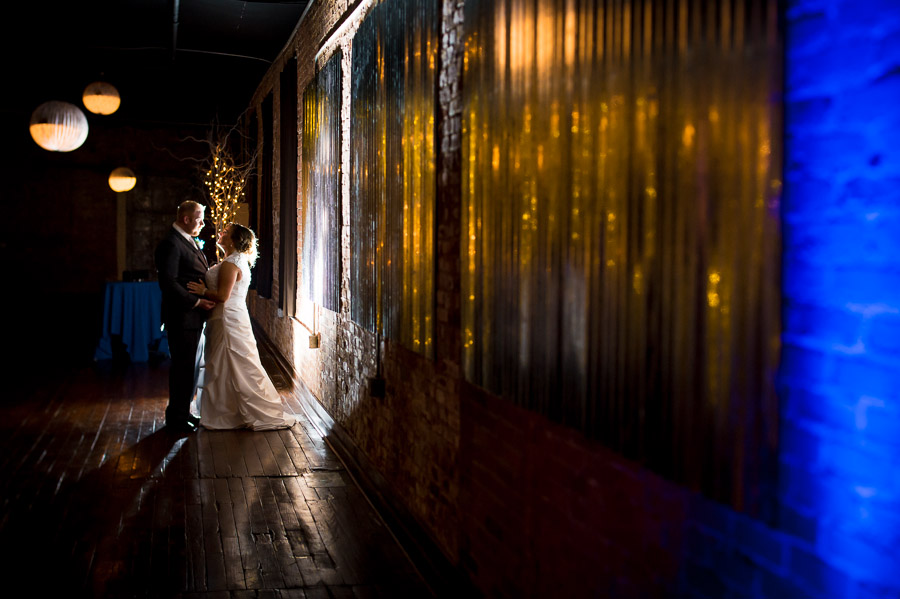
x=320 y=187
x=366 y=189
x=620 y=242
x=392 y=191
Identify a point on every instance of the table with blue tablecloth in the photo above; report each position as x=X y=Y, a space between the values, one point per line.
x=131 y=311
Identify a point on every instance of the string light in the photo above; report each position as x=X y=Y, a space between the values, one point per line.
x=225 y=185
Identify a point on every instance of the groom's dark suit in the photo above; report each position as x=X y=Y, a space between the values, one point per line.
x=177 y=262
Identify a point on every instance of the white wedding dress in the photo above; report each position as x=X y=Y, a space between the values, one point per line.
x=236 y=391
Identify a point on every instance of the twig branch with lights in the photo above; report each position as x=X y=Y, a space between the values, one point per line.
x=224 y=177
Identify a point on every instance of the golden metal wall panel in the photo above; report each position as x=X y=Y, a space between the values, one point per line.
x=620 y=226
x=366 y=189
x=320 y=187
x=392 y=191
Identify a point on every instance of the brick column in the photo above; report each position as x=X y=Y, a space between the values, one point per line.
x=839 y=488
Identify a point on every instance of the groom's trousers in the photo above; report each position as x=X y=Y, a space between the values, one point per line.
x=182 y=380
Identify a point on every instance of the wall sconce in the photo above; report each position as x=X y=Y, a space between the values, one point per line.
x=101 y=98
x=58 y=126
x=122 y=179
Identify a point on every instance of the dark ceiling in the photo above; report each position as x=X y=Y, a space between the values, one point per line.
x=173 y=61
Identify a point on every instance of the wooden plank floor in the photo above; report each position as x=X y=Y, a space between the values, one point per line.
x=98 y=500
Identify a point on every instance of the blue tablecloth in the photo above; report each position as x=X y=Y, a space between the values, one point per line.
x=132 y=311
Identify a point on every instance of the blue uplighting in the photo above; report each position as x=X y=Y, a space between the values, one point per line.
x=840 y=373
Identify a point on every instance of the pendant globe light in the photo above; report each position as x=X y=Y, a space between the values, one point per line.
x=58 y=126
x=122 y=179
x=101 y=98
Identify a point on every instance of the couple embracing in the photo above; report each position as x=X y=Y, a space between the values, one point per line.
x=236 y=392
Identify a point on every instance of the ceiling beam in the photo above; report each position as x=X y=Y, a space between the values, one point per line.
x=176 y=6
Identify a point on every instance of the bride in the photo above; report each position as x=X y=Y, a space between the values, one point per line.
x=237 y=392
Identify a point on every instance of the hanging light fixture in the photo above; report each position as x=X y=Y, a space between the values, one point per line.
x=101 y=98
x=122 y=179
x=58 y=126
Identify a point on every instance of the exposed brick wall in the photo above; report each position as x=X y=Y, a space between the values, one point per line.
x=151 y=211
x=528 y=508
x=449 y=199
x=839 y=495
x=546 y=513
x=411 y=435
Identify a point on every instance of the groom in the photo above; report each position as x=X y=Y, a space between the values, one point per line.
x=179 y=260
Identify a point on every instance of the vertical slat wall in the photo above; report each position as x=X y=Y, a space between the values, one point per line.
x=367 y=138
x=320 y=187
x=620 y=225
x=392 y=191
x=287 y=256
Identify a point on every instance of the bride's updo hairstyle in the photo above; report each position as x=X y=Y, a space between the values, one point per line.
x=244 y=241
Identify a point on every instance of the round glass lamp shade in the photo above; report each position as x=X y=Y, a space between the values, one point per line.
x=122 y=179
x=101 y=98
x=58 y=126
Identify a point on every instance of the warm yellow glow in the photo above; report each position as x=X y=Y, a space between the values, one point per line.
x=122 y=179
x=225 y=185
x=618 y=211
x=417 y=173
x=687 y=137
x=101 y=98
x=712 y=294
x=58 y=126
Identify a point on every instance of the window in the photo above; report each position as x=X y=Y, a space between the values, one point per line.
x=321 y=266
x=287 y=256
x=250 y=147
x=265 y=231
x=392 y=178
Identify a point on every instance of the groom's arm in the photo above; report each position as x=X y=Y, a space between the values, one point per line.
x=167 y=259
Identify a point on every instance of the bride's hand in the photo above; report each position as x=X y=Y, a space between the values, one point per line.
x=198 y=288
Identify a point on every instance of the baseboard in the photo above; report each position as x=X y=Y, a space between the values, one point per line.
x=444 y=579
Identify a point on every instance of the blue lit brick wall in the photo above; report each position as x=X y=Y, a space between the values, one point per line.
x=837 y=530
x=840 y=374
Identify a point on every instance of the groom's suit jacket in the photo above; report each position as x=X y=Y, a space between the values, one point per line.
x=177 y=262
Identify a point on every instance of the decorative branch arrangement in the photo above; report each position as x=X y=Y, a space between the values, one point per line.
x=224 y=178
